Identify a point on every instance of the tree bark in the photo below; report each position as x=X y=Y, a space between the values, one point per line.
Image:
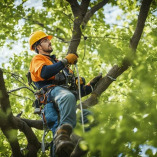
x=13 y=141
x=9 y=125
x=79 y=11
x=6 y=118
x=140 y=23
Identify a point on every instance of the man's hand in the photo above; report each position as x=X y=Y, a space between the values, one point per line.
x=82 y=81
x=94 y=81
x=71 y=58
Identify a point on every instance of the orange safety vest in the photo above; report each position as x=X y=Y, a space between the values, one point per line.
x=36 y=66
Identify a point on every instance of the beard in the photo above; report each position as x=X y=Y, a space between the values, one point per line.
x=48 y=50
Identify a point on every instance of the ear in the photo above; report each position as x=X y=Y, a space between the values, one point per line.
x=38 y=47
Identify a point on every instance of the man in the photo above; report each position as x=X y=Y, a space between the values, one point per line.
x=47 y=72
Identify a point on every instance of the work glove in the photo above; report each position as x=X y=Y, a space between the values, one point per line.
x=94 y=81
x=82 y=81
x=71 y=58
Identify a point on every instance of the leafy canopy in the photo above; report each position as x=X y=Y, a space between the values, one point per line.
x=126 y=113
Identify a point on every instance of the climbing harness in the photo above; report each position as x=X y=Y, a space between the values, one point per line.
x=41 y=98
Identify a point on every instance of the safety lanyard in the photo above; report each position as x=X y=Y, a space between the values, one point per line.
x=82 y=119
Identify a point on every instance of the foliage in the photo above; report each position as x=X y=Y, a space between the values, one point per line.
x=126 y=113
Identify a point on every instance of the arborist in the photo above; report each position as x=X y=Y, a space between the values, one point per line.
x=57 y=80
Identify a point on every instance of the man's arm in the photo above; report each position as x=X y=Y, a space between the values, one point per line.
x=87 y=89
x=51 y=70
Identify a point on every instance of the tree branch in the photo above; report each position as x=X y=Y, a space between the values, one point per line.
x=8 y=123
x=47 y=28
x=23 y=97
x=33 y=143
x=116 y=71
x=140 y=24
x=75 y=7
x=38 y=124
x=104 y=83
x=4 y=97
x=12 y=138
x=6 y=117
x=20 y=88
x=84 y=6
x=90 y=13
x=79 y=13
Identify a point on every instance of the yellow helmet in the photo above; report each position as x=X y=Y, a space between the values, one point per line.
x=36 y=36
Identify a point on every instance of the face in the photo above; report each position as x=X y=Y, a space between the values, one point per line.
x=45 y=45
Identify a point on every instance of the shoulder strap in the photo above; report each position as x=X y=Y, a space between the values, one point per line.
x=29 y=79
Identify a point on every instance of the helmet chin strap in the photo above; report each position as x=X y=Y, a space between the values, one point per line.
x=36 y=50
